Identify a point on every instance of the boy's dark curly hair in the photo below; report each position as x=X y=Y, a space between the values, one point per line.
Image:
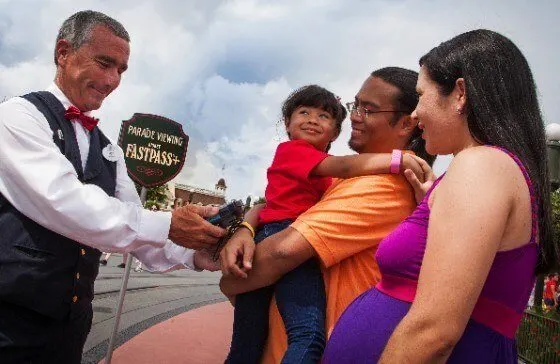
x=315 y=96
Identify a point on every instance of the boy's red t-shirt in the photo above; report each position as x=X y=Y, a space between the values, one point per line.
x=291 y=190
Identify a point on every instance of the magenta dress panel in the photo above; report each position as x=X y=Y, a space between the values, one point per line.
x=365 y=327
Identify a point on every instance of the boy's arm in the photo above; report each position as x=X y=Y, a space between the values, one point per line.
x=352 y=218
x=364 y=164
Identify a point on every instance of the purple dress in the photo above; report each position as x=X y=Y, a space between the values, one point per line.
x=365 y=327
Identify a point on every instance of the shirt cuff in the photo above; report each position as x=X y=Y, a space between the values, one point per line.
x=154 y=227
x=168 y=258
x=323 y=252
x=188 y=260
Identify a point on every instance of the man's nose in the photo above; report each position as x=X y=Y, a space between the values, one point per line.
x=113 y=79
x=355 y=117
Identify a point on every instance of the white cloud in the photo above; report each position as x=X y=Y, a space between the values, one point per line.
x=223 y=68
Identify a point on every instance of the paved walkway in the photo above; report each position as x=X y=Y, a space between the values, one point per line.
x=200 y=336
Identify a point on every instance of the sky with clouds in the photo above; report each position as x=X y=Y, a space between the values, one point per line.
x=223 y=68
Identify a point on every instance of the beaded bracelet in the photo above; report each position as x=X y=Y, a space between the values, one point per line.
x=248 y=226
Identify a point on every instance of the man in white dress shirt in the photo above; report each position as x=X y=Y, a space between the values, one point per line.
x=63 y=199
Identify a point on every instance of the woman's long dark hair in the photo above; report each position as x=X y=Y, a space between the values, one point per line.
x=502 y=110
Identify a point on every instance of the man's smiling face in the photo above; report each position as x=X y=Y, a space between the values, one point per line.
x=91 y=72
x=374 y=133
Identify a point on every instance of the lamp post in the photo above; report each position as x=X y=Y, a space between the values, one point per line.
x=553 y=151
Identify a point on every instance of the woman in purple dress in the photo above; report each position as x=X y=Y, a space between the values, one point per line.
x=457 y=274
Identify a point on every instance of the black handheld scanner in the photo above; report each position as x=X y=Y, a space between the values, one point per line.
x=227 y=215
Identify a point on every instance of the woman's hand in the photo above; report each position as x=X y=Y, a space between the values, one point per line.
x=236 y=256
x=420 y=181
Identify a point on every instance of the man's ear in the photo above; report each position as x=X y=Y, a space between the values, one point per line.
x=62 y=50
x=406 y=125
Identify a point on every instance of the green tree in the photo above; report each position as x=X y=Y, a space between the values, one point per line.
x=158 y=196
x=555 y=198
x=259 y=201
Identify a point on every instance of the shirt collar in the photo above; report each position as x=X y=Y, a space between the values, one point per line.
x=57 y=92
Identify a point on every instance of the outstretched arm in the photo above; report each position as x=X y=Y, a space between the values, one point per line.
x=275 y=256
x=365 y=164
x=357 y=207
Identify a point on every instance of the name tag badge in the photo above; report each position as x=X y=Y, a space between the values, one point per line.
x=111 y=153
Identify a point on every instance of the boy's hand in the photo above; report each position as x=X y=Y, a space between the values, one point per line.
x=236 y=256
x=420 y=186
x=410 y=163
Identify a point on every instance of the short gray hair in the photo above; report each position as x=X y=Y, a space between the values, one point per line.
x=77 y=28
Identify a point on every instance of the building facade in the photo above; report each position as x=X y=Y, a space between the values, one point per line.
x=185 y=194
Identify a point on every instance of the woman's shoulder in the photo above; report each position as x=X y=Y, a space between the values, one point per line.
x=483 y=161
x=486 y=171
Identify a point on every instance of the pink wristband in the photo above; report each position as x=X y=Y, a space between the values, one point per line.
x=396 y=158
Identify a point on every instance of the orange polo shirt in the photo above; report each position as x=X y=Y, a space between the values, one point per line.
x=345 y=228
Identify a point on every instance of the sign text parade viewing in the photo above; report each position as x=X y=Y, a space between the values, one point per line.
x=154 y=148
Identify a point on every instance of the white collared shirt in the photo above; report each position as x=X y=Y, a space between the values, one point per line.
x=40 y=182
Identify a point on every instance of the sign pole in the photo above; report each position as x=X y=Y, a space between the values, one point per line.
x=154 y=152
x=143 y=195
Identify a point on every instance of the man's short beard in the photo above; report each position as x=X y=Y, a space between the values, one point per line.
x=355 y=148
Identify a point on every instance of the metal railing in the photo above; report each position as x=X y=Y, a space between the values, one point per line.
x=538 y=339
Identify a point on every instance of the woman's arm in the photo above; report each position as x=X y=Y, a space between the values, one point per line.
x=364 y=164
x=275 y=256
x=468 y=218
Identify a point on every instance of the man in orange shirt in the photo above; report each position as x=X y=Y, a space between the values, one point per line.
x=344 y=229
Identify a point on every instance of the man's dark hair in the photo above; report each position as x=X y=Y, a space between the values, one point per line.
x=315 y=96
x=77 y=28
x=406 y=101
x=502 y=110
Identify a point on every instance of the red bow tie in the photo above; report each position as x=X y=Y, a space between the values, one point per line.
x=74 y=113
